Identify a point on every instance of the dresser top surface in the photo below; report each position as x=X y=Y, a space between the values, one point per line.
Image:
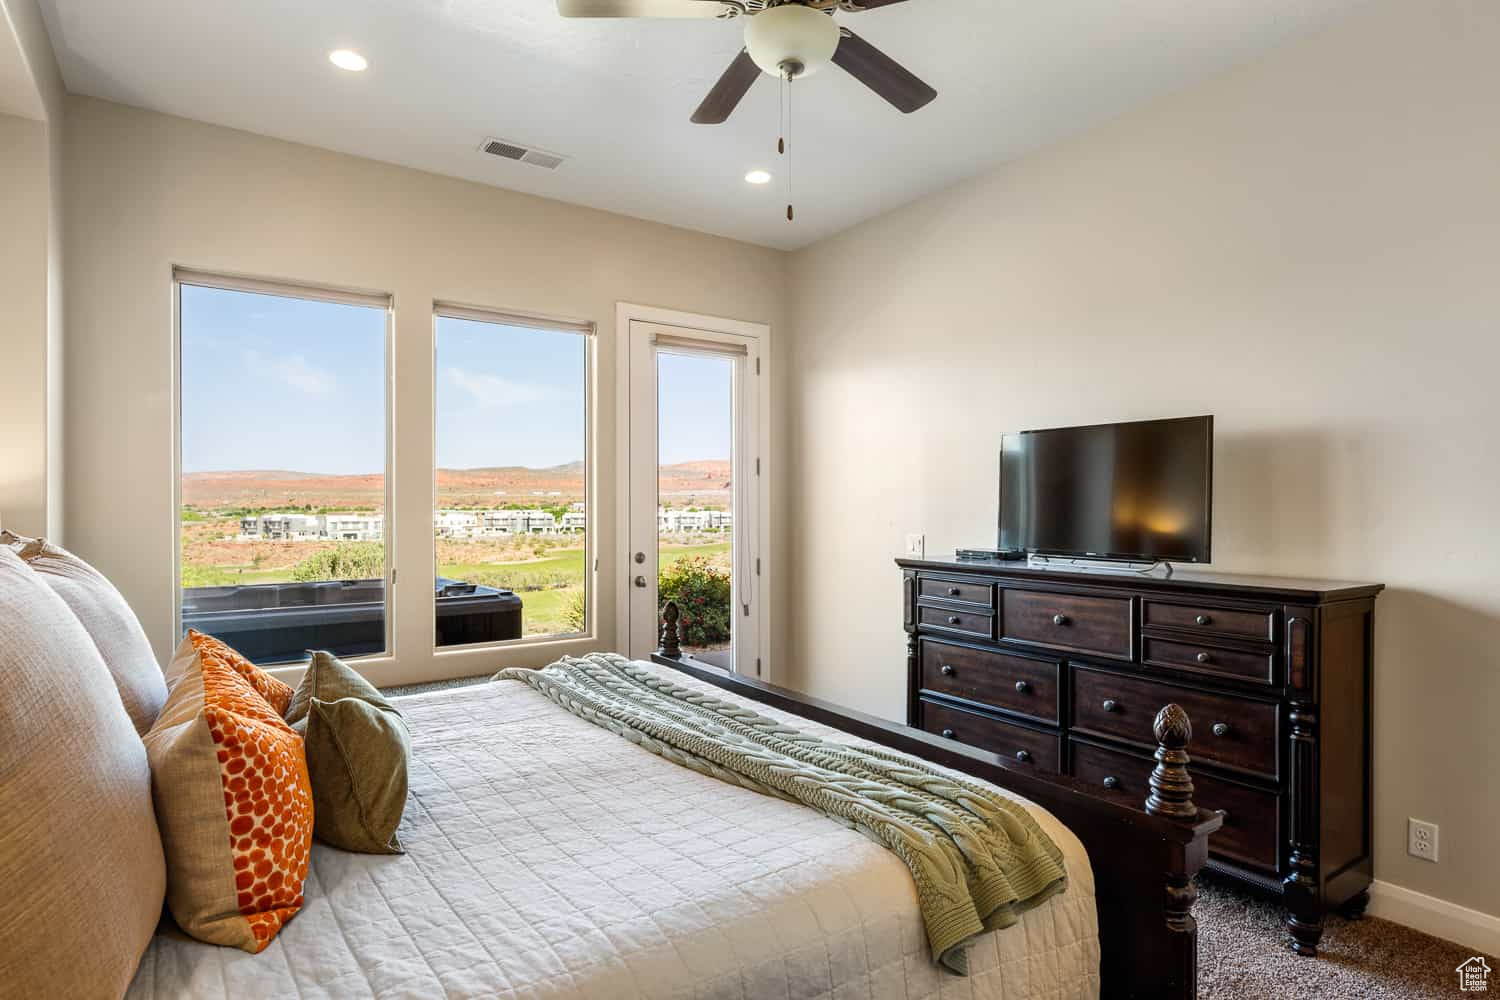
x=1182 y=581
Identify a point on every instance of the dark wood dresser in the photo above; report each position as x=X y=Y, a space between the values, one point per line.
x=1064 y=670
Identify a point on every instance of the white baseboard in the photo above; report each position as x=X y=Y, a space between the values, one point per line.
x=1438 y=917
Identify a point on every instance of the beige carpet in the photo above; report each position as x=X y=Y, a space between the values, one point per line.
x=457 y=682
x=1242 y=954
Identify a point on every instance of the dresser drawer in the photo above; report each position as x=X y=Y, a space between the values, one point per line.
x=1085 y=624
x=1015 y=743
x=1021 y=684
x=1206 y=659
x=980 y=625
x=1235 y=732
x=1210 y=621
x=1252 y=817
x=963 y=591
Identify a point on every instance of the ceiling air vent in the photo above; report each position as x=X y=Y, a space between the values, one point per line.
x=525 y=154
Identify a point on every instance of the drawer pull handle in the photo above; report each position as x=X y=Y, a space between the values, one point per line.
x=1204 y=658
x=953 y=619
x=1110 y=705
x=1204 y=620
x=1221 y=729
x=947 y=734
x=953 y=591
x=1059 y=619
x=1023 y=686
x=1111 y=782
x=946 y=670
x=1023 y=756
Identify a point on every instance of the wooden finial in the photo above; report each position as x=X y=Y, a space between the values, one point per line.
x=671 y=640
x=1171 y=786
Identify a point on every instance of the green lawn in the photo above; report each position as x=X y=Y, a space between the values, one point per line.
x=219 y=576
x=568 y=562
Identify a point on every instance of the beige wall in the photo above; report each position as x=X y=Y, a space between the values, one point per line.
x=173 y=192
x=24 y=201
x=31 y=272
x=1309 y=248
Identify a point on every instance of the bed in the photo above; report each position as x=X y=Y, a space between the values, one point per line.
x=547 y=857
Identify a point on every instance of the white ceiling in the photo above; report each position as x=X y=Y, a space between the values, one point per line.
x=615 y=95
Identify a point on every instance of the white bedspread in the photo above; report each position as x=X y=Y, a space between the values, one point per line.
x=549 y=858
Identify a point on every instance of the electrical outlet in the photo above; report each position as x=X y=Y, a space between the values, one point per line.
x=1422 y=839
x=916 y=545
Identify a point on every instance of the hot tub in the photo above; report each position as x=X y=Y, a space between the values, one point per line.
x=280 y=622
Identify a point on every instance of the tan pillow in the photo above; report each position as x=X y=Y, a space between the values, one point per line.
x=357 y=753
x=81 y=873
x=230 y=782
x=109 y=622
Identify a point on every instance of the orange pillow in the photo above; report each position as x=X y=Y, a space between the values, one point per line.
x=229 y=779
x=277 y=694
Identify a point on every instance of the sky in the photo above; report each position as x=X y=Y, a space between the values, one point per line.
x=281 y=383
x=694 y=404
x=270 y=382
x=508 y=395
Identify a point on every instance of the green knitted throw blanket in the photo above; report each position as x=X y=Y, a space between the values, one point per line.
x=978 y=858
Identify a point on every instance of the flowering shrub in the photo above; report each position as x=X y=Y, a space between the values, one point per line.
x=575 y=611
x=702 y=593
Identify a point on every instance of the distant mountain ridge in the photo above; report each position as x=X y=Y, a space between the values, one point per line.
x=681 y=483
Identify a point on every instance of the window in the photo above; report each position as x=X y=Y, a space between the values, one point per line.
x=512 y=521
x=283 y=467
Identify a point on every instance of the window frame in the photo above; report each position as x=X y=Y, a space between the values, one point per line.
x=587 y=329
x=297 y=290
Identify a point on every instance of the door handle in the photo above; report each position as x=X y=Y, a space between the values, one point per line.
x=640 y=581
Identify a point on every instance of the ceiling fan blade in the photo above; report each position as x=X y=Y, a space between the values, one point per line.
x=641 y=8
x=728 y=92
x=881 y=73
x=853 y=6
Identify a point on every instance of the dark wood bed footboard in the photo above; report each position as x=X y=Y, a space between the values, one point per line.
x=1143 y=862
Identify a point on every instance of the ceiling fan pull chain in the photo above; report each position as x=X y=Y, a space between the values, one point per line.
x=781 y=116
x=787 y=130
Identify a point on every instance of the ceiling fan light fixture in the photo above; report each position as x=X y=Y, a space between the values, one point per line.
x=348 y=59
x=791 y=40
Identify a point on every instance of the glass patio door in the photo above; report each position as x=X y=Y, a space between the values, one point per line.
x=693 y=467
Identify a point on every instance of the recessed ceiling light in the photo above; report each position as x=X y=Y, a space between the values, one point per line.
x=348 y=59
x=758 y=177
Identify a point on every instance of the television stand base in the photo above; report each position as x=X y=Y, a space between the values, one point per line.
x=1083 y=564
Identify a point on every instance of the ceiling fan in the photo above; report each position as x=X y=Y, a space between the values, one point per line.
x=787 y=39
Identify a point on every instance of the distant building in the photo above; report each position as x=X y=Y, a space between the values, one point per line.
x=290 y=527
x=353 y=527
x=675 y=521
x=312 y=527
x=456 y=523
x=517 y=522
x=464 y=524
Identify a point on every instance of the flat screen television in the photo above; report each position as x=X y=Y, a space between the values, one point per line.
x=1140 y=491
